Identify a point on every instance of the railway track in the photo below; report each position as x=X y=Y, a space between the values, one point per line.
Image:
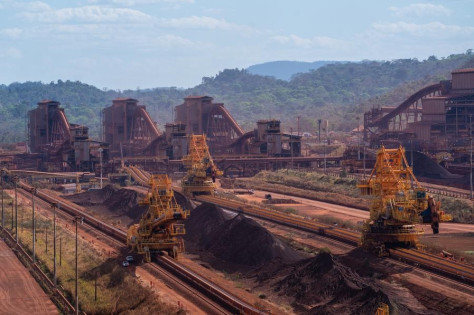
x=431 y=188
x=208 y=306
x=454 y=270
x=202 y=301
x=212 y=291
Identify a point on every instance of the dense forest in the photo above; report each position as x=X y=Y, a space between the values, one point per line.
x=337 y=92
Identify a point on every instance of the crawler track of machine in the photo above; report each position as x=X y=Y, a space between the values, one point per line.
x=192 y=279
x=398 y=203
x=160 y=225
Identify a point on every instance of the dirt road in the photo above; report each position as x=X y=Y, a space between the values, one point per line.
x=313 y=208
x=19 y=292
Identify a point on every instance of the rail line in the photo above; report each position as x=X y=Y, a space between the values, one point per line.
x=431 y=188
x=452 y=269
x=208 y=305
x=461 y=272
x=210 y=289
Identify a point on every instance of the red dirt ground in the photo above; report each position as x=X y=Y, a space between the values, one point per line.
x=19 y=291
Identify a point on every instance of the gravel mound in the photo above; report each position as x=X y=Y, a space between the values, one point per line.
x=239 y=241
x=120 y=201
x=202 y=223
x=322 y=285
x=426 y=167
x=92 y=197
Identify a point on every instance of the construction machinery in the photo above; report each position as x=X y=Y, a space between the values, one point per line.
x=201 y=170
x=399 y=203
x=158 y=229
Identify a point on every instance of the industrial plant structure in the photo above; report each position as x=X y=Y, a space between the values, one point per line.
x=436 y=118
x=128 y=127
x=198 y=115
x=201 y=116
x=61 y=145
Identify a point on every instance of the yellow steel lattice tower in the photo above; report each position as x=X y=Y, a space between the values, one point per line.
x=158 y=228
x=399 y=202
x=202 y=171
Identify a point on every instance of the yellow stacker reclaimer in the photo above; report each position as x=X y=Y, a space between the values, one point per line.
x=158 y=229
x=201 y=170
x=399 y=203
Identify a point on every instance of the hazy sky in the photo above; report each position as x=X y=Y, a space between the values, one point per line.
x=121 y=44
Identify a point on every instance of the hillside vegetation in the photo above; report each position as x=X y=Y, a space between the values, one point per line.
x=336 y=92
x=285 y=70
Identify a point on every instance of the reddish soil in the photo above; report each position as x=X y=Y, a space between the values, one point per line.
x=19 y=292
x=318 y=285
x=352 y=282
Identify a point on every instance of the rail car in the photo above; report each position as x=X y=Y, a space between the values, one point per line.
x=452 y=269
x=462 y=272
x=217 y=293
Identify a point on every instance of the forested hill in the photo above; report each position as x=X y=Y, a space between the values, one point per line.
x=285 y=70
x=332 y=92
x=337 y=92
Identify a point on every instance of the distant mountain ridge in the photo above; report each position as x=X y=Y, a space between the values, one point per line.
x=285 y=70
x=338 y=92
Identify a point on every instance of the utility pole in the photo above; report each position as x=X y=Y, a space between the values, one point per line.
x=325 y=140
x=77 y=219
x=60 y=250
x=34 y=224
x=291 y=145
x=3 y=212
x=298 y=126
x=358 y=139
x=54 y=242
x=363 y=143
x=100 y=162
x=319 y=130
x=13 y=216
x=16 y=210
x=470 y=138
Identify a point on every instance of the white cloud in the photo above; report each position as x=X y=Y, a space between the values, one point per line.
x=434 y=29
x=11 y=53
x=95 y=14
x=36 y=6
x=171 y=40
x=11 y=32
x=141 y=2
x=421 y=9
x=204 y=22
x=28 y=6
x=317 y=41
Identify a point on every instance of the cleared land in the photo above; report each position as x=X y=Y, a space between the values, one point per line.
x=19 y=292
x=270 y=271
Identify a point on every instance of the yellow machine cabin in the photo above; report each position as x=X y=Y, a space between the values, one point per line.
x=399 y=202
x=202 y=171
x=158 y=229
